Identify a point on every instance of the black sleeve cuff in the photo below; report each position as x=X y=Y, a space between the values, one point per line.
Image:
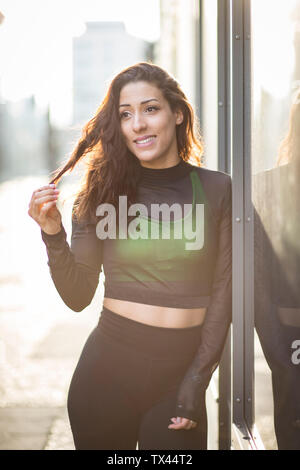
x=54 y=240
x=191 y=397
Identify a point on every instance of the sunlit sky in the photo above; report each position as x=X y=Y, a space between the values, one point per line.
x=274 y=46
x=36 y=39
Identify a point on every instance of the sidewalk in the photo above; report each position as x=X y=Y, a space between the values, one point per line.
x=41 y=338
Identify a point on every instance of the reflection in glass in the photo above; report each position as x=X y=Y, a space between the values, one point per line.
x=276 y=199
x=277 y=278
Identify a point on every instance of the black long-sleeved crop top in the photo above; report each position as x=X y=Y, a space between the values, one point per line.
x=189 y=270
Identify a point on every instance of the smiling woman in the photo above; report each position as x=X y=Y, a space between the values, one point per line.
x=149 y=131
x=166 y=309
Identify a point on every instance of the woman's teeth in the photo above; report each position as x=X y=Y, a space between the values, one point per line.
x=145 y=140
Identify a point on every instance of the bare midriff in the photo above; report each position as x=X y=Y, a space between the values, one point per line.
x=165 y=317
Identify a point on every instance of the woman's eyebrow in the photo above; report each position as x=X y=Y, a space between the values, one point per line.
x=142 y=102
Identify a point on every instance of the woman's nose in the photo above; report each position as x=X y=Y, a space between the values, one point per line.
x=138 y=123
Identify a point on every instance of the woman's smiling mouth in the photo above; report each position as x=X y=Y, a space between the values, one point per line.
x=145 y=141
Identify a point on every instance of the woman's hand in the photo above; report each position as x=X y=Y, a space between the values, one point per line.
x=182 y=423
x=42 y=208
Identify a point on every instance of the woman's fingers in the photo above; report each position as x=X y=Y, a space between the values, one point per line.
x=42 y=208
x=48 y=186
x=45 y=207
x=40 y=197
x=42 y=191
x=182 y=423
x=42 y=200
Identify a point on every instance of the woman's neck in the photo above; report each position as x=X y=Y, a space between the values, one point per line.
x=158 y=165
x=158 y=176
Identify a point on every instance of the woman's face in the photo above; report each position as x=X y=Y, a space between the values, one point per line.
x=149 y=125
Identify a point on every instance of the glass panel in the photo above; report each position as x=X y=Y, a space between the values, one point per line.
x=209 y=77
x=276 y=192
x=178 y=47
x=209 y=127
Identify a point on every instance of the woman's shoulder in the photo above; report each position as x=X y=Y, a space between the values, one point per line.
x=213 y=180
x=217 y=188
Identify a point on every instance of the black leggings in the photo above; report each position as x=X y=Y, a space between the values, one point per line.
x=123 y=390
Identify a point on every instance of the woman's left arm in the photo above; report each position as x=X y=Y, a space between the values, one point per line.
x=217 y=320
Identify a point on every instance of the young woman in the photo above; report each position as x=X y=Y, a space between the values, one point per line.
x=142 y=374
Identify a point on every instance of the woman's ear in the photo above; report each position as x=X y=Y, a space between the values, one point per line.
x=178 y=117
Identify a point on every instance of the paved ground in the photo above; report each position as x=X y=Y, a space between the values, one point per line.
x=41 y=338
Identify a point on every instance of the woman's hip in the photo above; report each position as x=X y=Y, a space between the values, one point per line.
x=148 y=341
x=141 y=360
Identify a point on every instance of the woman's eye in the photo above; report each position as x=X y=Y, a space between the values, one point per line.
x=152 y=107
x=123 y=114
x=149 y=109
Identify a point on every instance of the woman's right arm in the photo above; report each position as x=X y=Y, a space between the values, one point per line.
x=74 y=270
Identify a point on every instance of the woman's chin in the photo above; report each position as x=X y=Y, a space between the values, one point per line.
x=147 y=159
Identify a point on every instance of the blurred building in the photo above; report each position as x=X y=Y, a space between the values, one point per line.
x=98 y=55
x=24 y=137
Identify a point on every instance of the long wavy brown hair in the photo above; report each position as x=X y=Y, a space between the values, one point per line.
x=289 y=149
x=111 y=169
